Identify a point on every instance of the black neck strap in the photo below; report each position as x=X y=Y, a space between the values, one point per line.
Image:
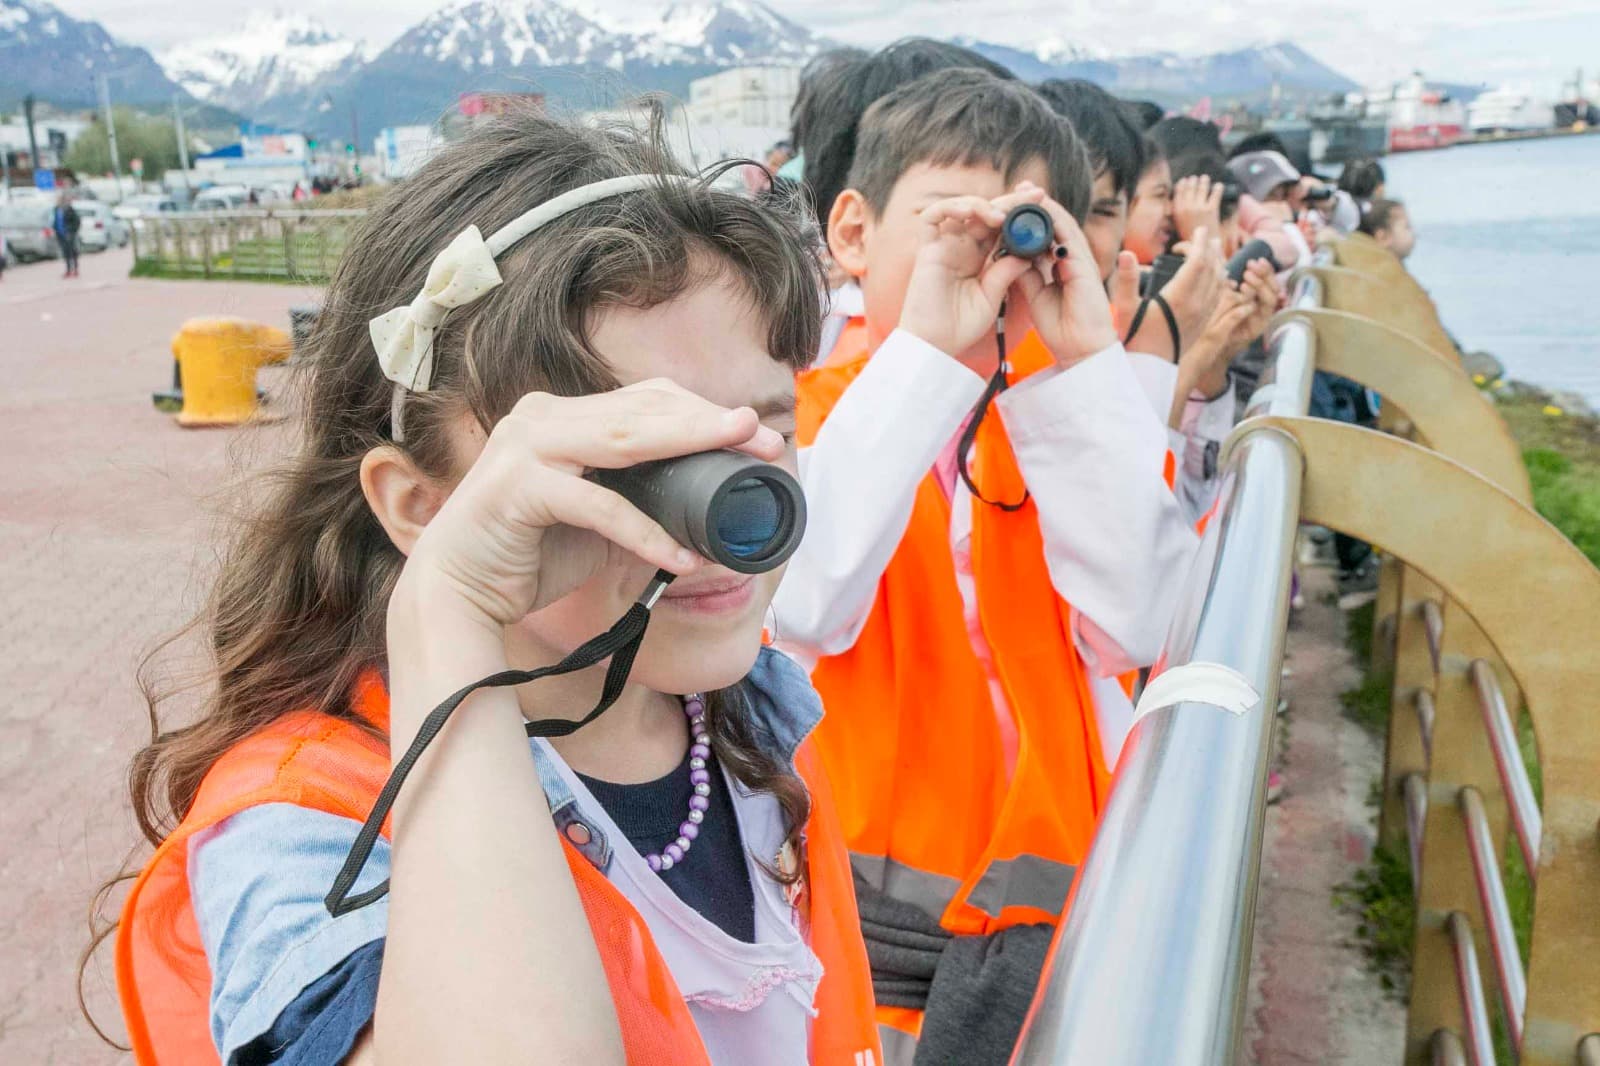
x=998 y=383
x=1166 y=312
x=620 y=642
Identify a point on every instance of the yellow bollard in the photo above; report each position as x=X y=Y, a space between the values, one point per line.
x=218 y=359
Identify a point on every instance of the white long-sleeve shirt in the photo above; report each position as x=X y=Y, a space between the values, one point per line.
x=1091 y=452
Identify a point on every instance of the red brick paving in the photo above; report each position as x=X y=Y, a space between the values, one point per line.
x=1313 y=1002
x=103 y=514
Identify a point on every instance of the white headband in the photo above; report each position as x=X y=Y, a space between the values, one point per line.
x=464 y=272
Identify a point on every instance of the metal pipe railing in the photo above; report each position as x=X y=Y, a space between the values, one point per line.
x=1165 y=897
x=1469 y=983
x=1415 y=791
x=1526 y=820
x=1508 y=970
x=1433 y=626
x=1425 y=715
x=1446 y=1048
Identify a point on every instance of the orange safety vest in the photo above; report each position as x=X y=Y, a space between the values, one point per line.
x=333 y=765
x=911 y=741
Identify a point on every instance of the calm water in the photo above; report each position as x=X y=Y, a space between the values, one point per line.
x=1509 y=247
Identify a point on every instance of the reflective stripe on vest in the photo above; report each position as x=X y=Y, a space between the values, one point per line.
x=1025 y=881
x=899 y=1047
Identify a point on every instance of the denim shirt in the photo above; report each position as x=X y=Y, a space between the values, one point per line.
x=258 y=879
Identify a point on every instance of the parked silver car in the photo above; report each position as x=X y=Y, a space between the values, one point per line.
x=99 y=229
x=28 y=230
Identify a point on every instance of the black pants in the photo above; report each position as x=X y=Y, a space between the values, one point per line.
x=69 y=252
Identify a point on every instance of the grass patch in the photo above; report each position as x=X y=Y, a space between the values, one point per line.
x=1368 y=703
x=1358 y=629
x=1562 y=454
x=167 y=272
x=1382 y=896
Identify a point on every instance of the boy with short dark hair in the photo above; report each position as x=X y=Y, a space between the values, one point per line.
x=839 y=88
x=991 y=540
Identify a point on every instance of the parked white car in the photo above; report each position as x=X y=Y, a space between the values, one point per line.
x=99 y=228
x=28 y=230
x=135 y=209
x=221 y=198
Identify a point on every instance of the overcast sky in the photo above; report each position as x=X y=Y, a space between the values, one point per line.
x=1537 y=41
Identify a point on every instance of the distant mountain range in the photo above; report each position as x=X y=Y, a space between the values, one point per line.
x=288 y=69
x=55 y=56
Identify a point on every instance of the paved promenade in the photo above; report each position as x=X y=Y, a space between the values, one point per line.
x=103 y=510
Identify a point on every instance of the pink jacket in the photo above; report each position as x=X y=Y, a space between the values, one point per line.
x=1255 y=220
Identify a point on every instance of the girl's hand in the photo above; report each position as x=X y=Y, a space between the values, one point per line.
x=1071 y=310
x=957 y=284
x=1195 y=289
x=523 y=528
x=1259 y=285
x=1124 y=290
x=1196 y=204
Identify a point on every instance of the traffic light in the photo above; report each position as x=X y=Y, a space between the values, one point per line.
x=349 y=149
x=311 y=144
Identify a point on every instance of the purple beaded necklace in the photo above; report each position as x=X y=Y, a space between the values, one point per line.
x=694 y=706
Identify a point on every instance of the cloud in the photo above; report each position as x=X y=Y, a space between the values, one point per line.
x=1371 y=40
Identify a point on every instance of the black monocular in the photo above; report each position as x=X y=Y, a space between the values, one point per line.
x=730 y=507
x=1027 y=232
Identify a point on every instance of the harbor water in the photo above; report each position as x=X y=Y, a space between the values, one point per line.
x=1509 y=247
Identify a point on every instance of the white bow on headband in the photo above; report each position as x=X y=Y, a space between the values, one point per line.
x=464 y=272
x=460 y=274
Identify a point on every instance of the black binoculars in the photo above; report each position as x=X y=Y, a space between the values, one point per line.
x=1027 y=232
x=730 y=507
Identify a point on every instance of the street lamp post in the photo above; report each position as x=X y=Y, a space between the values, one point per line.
x=111 y=130
x=183 y=141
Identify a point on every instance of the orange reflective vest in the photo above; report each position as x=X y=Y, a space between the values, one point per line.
x=333 y=765
x=911 y=740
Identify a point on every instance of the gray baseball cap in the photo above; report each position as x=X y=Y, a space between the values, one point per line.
x=1261 y=172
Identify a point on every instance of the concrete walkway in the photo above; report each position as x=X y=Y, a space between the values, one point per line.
x=105 y=506
x=1313 y=1002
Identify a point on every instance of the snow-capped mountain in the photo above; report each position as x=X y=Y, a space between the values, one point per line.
x=489 y=35
x=48 y=53
x=729 y=33
x=497 y=34
x=578 y=55
x=272 y=56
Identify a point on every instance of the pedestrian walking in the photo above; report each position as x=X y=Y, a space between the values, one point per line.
x=66 y=224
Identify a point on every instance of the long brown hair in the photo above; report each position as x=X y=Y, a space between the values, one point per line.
x=297 y=612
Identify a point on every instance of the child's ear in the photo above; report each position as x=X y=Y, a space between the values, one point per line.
x=847 y=232
x=402 y=497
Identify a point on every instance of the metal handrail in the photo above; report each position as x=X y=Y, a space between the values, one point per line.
x=1526 y=819
x=1165 y=897
x=1433 y=626
x=1513 y=982
x=1469 y=983
x=1446 y=1048
x=1425 y=715
x=1416 y=800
